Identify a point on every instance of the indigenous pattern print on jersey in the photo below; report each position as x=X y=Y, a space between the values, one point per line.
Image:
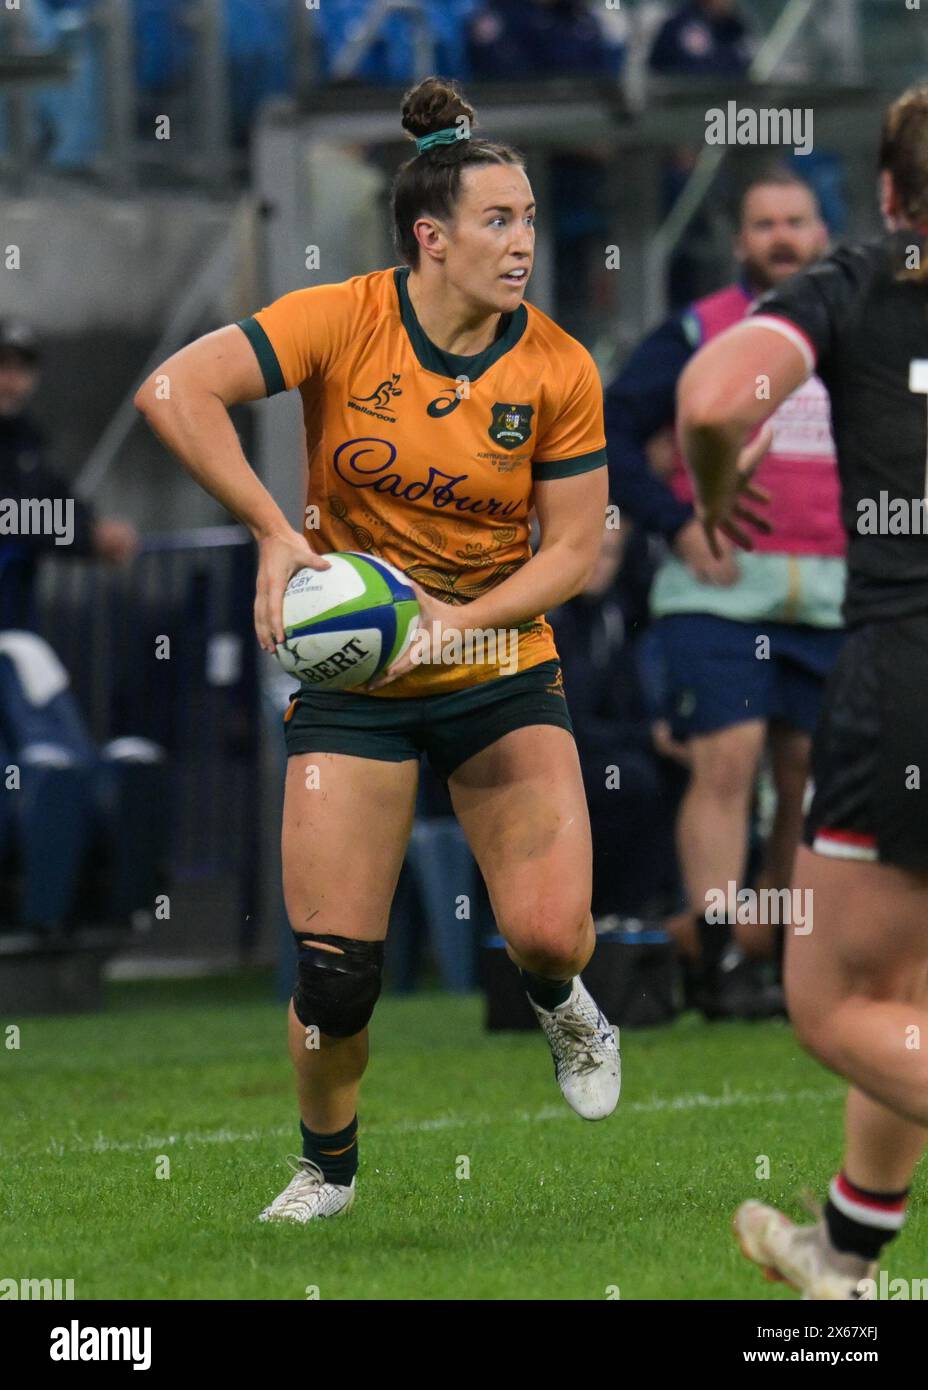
x=863 y=324
x=425 y=457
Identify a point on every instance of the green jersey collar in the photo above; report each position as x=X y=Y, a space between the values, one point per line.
x=454 y=364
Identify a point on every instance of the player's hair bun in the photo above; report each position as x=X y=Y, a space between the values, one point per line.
x=435 y=104
x=429 y=183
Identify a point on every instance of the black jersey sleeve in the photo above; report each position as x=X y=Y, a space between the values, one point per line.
x=822 y=300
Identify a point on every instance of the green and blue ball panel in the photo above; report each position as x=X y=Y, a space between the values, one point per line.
x=346 y=624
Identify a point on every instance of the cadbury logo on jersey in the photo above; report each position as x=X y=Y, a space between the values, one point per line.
x=511 y=425
x=380 y=397
x=369 y=463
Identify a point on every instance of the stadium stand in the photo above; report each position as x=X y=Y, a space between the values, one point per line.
x=284 y=117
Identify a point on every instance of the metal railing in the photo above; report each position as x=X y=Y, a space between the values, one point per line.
x=350 y=57
x=187 y=309
x=164 y=649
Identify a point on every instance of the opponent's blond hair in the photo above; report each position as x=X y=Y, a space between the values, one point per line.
x=904 y=155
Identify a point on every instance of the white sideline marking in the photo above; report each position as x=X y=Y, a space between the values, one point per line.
x=694 y=1100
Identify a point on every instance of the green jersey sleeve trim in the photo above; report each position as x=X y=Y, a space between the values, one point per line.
x=267 y=358
x=547 y=470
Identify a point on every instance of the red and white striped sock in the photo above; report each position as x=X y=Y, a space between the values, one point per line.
x=861 y=1222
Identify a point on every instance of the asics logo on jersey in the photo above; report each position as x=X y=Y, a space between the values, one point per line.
x=444 y=404
x=380 y=397
x=369 y=463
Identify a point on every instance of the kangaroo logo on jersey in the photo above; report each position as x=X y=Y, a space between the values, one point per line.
x=511 y=425
x=379 y=398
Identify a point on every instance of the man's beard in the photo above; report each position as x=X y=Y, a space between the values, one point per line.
x=764 y=275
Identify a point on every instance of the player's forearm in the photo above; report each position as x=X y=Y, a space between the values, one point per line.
x=554 y=574
x=195 y=425
x=731 y=386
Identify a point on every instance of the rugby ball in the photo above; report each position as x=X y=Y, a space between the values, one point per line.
x=346 y=624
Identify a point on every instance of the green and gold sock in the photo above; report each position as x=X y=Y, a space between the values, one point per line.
x=336 y=1154
x=546 y=993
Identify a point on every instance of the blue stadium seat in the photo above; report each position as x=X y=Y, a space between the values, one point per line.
x=80 y=815
x=7 y=801
x=164 y=45
x=53 y=807
x=260 y=51
x=391 y=58
x=70 y=113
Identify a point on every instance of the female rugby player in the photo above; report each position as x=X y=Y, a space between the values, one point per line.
x=857 y=984
x=439 y=409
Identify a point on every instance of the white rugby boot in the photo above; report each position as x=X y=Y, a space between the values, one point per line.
x=801 y=1256
x=307 y=1196
x=585 y=1048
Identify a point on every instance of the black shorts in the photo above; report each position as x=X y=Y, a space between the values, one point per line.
x=449 y=728
x=870 y=753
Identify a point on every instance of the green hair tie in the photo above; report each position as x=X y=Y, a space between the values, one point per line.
x=441 y=137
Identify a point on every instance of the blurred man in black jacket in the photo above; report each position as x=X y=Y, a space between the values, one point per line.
x=38 y=514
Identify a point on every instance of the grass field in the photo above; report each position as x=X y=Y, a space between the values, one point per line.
x=554 y=1208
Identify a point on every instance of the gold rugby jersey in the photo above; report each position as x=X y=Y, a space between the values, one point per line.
x=427 y=458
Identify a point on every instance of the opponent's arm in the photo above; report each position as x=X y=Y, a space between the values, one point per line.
x=719 y=403
x=186 y=402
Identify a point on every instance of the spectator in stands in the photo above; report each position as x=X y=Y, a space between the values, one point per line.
x=527 y=39
x=523 y=40
x=733 y=694
x=704 y=38
x=632 y=792
x=26 y=474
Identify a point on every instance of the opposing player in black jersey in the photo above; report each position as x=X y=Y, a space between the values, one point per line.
x=857 y=983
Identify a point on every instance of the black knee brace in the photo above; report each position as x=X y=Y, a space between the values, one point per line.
x=337 y=992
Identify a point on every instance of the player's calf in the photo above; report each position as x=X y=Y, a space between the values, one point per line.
x=338 y=983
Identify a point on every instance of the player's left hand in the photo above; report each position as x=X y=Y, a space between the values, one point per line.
x=435 y=619
x=729 y=509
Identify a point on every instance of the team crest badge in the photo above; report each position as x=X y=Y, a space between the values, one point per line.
x=511 y=425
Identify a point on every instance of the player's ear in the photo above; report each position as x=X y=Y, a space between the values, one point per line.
x=431 y=237
x=889 y=201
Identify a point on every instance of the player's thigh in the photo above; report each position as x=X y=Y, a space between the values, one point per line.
x=868 y=937
x=346 y=824
x=523 y=809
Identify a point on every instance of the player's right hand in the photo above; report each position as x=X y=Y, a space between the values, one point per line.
x=280 y=556
x=692 y=546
